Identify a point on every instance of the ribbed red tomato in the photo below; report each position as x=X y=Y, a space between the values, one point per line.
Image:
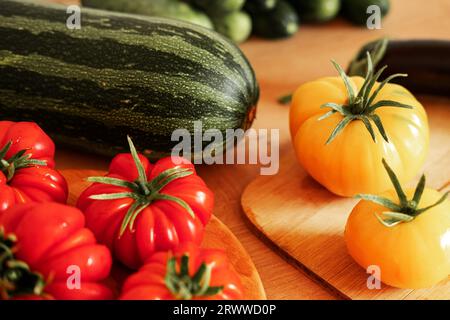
x=189 y=273
x=140 y=208
x=27 y=166
x=44 y=245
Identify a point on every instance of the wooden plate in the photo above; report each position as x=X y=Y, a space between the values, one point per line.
x=305 y=222
x=217 y=236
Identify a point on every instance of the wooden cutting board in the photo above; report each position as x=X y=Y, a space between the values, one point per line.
x=217 y=236
x=305 y=222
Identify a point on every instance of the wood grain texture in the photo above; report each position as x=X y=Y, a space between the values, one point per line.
x=306 y=222
x=217 y=235
x=281 y=66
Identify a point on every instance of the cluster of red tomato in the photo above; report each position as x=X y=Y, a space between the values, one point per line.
x=147 y=216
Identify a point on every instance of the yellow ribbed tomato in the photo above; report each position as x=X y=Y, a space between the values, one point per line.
x=343 y=127
x=409 y=243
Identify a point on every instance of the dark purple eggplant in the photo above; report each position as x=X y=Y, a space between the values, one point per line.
x=427 y=63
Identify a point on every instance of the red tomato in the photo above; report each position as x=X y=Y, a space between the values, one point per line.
x=27 y=166
x=136 y=214
x=188 y=273
x=53 y=243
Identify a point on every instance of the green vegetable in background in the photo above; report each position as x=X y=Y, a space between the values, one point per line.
x=280 y=22
x=260 y=5
x=317 y=10
x=356 y=10
x=218 y=7
x=164 y=8
x=237 y=26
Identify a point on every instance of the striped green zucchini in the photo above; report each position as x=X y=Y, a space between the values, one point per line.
x=119 y=74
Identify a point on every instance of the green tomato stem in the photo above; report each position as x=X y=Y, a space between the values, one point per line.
x=185 y=287
x=361 y=106
x=16 y=278
x=406 y=210
x=142 y=191
x=17 y=161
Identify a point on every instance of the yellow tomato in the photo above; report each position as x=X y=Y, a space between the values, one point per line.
x=413 y=254
x=351 y=163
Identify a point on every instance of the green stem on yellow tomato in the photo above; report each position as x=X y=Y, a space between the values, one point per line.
x=362 y=106
x=404 y=211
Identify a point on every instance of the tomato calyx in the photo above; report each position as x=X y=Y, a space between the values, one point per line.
x=142 y=191
x=16 y=278
x=185 y=287
x=361 y=106
x=406 y=210
x=18 y=161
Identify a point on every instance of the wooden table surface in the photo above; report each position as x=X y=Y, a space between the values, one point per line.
x=280 y=67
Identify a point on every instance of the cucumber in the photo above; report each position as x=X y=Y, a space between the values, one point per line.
x=236 y=26
x=218 y=7
x=356 y=10
x=259 y=5
x=119 y=75
x=162 y=8
x=426 y=62
x=317 y=11
x=280 y=22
